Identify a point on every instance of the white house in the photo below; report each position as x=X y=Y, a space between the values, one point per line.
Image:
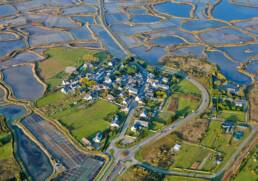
x=108 y=80
x=87 y=97
x=176 y=147
x=132 y=90
x=143 y=115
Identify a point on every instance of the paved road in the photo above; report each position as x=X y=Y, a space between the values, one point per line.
x=106 y=27
x=119 y=164
x=122 y=159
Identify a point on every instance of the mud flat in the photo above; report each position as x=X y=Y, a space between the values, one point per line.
x=23 y=83
x=32 y=158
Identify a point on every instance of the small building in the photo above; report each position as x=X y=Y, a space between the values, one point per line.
x=107 y=80
x=238 y=135
x=88 y=97
x=66 y=90
x=164 y=87
x=142 y=123
x=143 y=115
x=165 y=80
x=176 y=147
x=138 y=99
x=115 y=123
x=133 y=90
x=136 y=127
x=85 y=142
x=227 y=126
x=98 y=138
x=110 y=97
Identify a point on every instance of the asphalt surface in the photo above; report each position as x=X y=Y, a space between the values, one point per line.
x=120 y=160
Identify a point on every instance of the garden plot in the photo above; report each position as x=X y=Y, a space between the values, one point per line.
x=7 y=10
x=224 y=36
x=242 y=53
x=228 y=68
x=23 y=83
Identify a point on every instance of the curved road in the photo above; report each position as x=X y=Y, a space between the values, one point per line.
x=120 y=163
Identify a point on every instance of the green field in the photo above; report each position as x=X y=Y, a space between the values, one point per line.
x=88 y=121
x=6 y=150
x=53 y=68
x=187 y=87
x=215 y=138
x=9 y=169
x=54 y=98
x=249 y=168
x=189 y=154
x=233 y=115
x=178 y=178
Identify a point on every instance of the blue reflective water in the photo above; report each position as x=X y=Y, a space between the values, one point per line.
x=195 y=25
x=228 y=68
x=167 y=40
x=175 y=9
x=33 y=158
x=144 y=19
x=23 y=83
x=228 y=11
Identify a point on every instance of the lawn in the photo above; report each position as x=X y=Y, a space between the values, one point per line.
x=215 y=138
x=179 y=104
x=189 y=154
x=233 y=115
x=150 y=151
x=53 y=68
x=249 y=169
x=54 y=98
x=6 y=150
x=169 y=109
x=86 y=122
x=187 y=87
x=178 y=178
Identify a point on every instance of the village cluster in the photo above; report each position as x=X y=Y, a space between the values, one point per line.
x=128 y=84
